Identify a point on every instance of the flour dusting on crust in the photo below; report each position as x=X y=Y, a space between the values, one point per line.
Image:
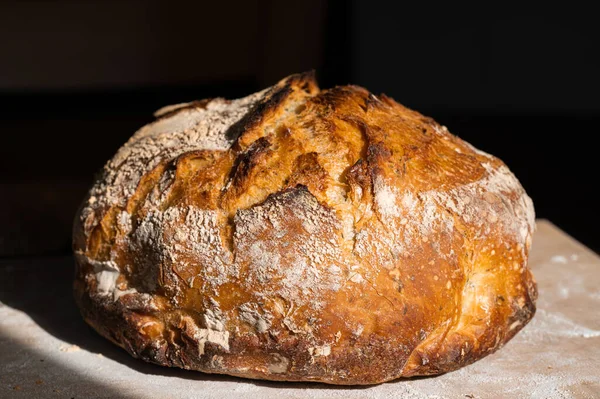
x=300 y=234
x=198 y=128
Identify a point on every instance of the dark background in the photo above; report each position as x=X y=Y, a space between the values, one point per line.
x=77 y=78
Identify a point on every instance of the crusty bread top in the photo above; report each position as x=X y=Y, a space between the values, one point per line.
x=214 y=125
x=196 y=211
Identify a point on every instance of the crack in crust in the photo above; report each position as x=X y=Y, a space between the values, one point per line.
x=304 y=235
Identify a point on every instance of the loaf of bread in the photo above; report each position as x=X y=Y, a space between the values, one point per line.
x=300 y=234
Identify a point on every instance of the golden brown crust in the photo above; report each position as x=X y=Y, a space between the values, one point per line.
x=305 y=235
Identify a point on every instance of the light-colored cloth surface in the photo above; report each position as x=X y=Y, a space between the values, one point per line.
x=46 y=350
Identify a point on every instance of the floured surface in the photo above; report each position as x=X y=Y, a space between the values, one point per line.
x=46 y=350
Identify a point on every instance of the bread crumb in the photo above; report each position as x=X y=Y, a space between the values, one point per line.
x=69 y=349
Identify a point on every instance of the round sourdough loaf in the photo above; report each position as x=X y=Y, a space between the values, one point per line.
x=300 y=234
